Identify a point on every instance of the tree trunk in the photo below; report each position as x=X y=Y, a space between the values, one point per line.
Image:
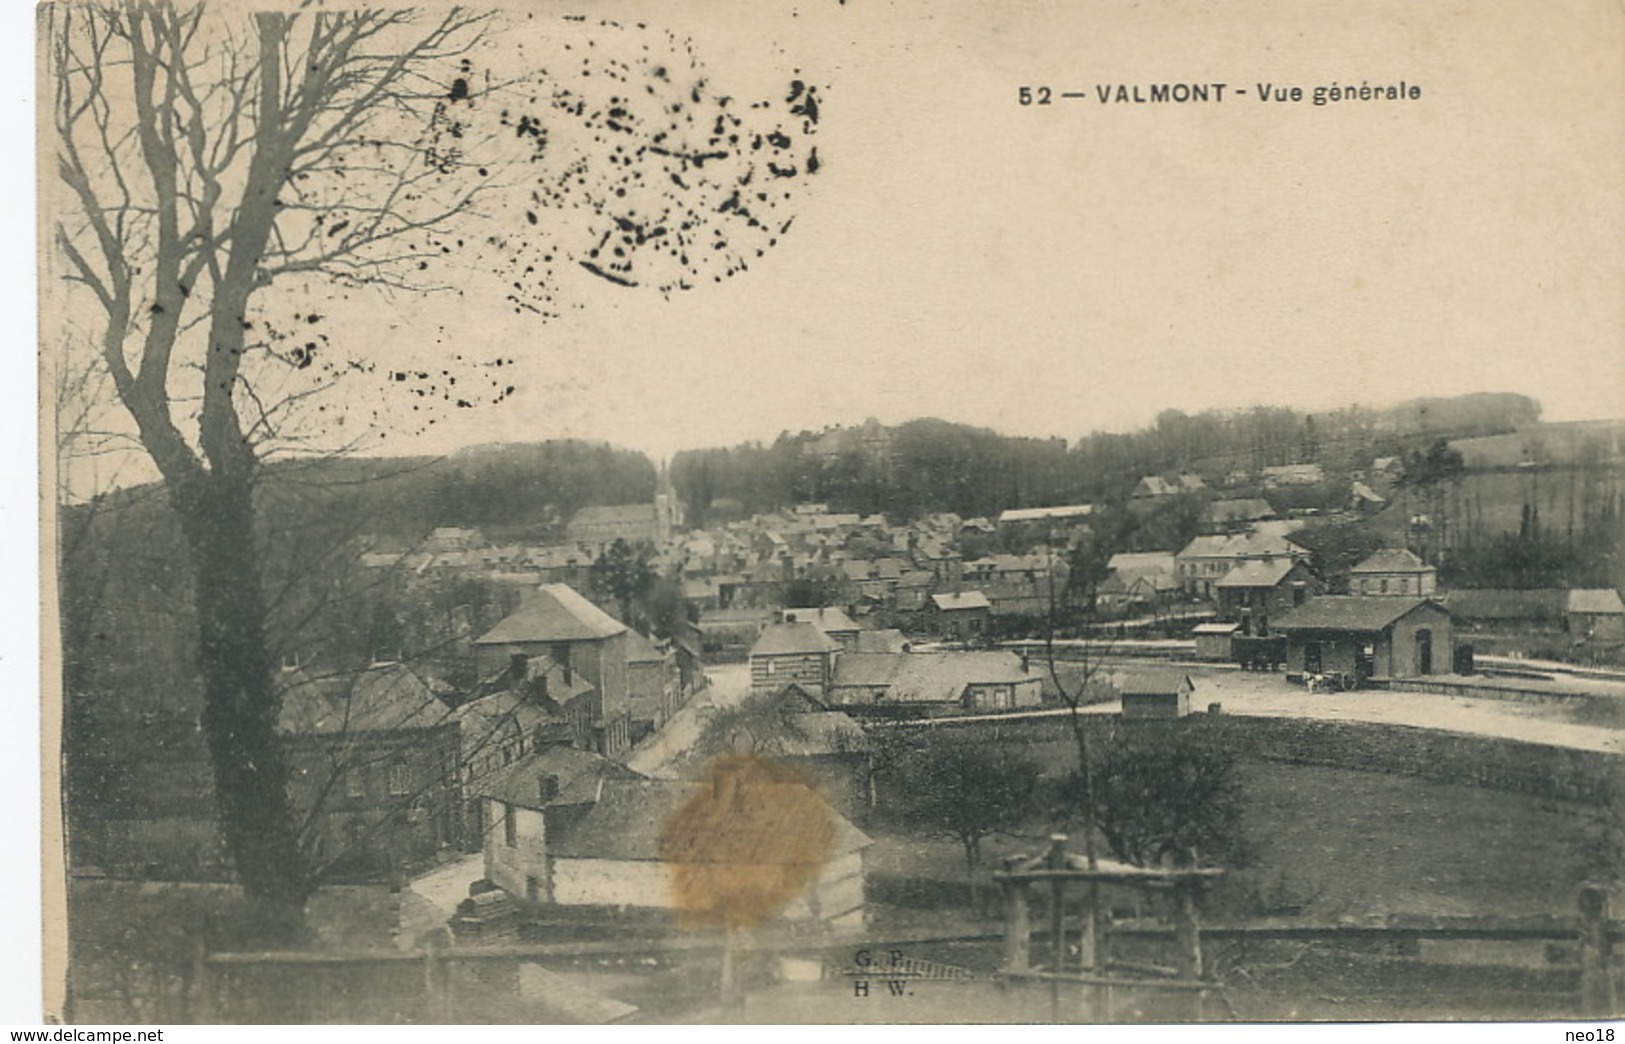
x=240 y=702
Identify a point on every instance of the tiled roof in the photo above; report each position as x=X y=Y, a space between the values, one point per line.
x=1361 y=614
x=786 y=639
x=577 y=777
x=1150 y=682
x=629 y=818
x=827 y=619
x=928 y=677
x=961 y=600
x=383 y=698
x=641 y=650
x=553 y=613
x=890 y=640
x=1392 y=560
x=1039 y=514
x=1257 y=574
x=1595 y=600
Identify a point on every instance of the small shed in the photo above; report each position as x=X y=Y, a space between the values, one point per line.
x=1155 y=694
x=1213 y=640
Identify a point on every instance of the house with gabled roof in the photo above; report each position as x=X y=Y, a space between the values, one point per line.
x=1595 y=616
x=960 y=614
x=1255 y=591
x=1364 y=636
x=793 y=652
x=1206 y=559
x=556 y=621
x=531 y=800
x=1393 y=571
x=1154 y=694
x=653 y=845
x=928 y=684
x=372 y=758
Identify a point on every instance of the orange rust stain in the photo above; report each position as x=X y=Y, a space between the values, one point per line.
x=753 y=836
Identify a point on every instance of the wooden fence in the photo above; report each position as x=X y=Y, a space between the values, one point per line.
x=439 y=983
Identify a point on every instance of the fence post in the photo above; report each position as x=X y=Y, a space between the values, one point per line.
x=437 y=976
x=1596 y=951
x=1018 y=926
x=1055 y=859
x=1188 y=941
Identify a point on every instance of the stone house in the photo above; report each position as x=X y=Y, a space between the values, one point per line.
x=1366 y=636
x=555 y=621
x=793 y=652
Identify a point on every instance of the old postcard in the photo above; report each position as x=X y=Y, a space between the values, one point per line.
x=830 y=511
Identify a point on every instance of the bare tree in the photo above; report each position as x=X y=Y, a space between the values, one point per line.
x=209 y=161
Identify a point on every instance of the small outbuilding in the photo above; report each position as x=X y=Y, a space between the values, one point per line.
x=1595 y=616
x=1213 y=640
x=1155 y=694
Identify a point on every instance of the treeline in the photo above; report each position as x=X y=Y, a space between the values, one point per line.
x=515 y=490
x=934 y=465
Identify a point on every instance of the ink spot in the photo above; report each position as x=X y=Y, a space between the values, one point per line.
x=752 y=837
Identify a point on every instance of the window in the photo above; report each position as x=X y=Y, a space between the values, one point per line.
x=399 y=779
x=510 y=825
x=355 y=783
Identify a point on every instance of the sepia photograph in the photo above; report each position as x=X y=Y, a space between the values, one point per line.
x=831 y=512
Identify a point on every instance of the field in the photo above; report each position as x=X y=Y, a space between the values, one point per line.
x=1334 y=844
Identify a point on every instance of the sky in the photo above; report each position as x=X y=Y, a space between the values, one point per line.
x=1054 y=270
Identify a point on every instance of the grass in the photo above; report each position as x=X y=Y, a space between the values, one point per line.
x=1332 y=844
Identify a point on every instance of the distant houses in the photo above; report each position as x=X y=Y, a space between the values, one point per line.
x=1207 y=559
